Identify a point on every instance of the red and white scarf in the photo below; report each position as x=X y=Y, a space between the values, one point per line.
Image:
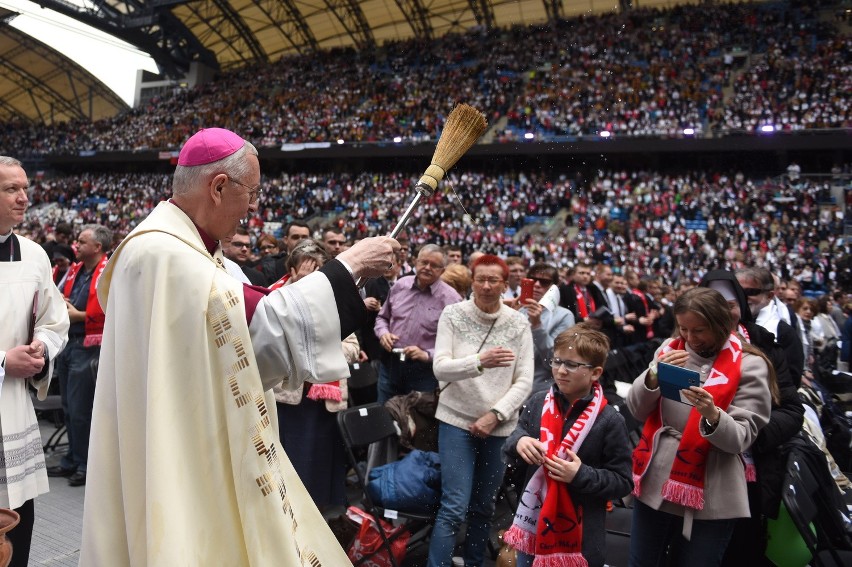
x=585 y=302
x=547 y=524
x=685 y=485
x=94 y=324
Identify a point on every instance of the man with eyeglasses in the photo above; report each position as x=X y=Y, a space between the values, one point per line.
x=759 y=287
x=34 y=331
x=184 y=438
x=237 y=249
x=547 y=319
x=408 y=323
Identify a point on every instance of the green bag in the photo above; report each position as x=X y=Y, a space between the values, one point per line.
x=785 y=546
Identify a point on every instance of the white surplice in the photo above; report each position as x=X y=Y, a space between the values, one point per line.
x=185 y=465
x=22 y=454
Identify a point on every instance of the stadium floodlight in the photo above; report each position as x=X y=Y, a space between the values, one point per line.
x=397 y=139
x=605 y=134
x=689 y=131
x=340 y=141
x=529 y=136
x=767 y=128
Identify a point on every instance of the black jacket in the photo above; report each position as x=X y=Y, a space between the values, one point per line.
x=273 y=267
x=378 y=288
x=568 y=299
x=791 y=343
x=785 y=419
x=605 y=473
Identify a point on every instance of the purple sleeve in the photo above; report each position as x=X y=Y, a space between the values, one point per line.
x=252 y=294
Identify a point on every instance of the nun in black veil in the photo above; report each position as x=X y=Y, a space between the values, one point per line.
x=748 y=544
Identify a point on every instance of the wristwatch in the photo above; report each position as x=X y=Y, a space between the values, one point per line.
x=652 y=367
x=499 y=415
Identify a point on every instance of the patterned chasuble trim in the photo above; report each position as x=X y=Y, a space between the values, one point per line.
x=272 y=480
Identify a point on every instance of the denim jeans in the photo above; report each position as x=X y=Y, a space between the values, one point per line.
x=77 y=388
x=653 y=531
x=524 y=560
x=397 y=378
x=471 y=474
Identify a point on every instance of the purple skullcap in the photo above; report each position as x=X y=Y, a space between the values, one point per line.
x=209 y=145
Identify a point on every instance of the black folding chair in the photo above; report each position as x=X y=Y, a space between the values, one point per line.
x=52 y=406
x=807 y=508
x=361 y=426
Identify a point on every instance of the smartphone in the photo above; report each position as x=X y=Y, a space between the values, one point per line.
x=526 y=290
x=673 y=379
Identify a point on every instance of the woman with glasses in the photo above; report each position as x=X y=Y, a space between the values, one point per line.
x=689 y=469
x=273 y=262
x=547 y=320
x=484 y=361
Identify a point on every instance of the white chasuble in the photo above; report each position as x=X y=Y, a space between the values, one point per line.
x=185 y=464
x=20 y=439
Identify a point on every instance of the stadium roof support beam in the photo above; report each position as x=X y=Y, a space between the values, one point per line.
x=74 y=105
x=226 y=23
x=9 y=112
x=554 y=10
x=35 y=90
x=152 y=29
x=234 y=18
x=483 y=11
x=286 y=16
x=417 y=16
x=352 y=18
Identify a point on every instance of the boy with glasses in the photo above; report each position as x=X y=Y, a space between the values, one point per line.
x=577 y=456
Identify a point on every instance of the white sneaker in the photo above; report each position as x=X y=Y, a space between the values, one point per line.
x=458 y=562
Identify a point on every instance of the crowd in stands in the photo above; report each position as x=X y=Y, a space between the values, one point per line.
x=677 y=225
x=717 y=69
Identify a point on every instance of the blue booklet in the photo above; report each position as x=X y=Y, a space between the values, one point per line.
x=673 y=379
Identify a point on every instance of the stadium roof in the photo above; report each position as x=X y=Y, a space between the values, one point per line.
x=39 y=84
x=225 y=34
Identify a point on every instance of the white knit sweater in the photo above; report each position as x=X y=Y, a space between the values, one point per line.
x=471 y=393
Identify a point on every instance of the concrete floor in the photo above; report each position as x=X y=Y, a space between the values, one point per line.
x=59 y=516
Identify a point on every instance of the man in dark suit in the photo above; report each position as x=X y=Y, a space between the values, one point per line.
x=375 y=294
x=624 y=312
x=237 y=249
x=582 y=298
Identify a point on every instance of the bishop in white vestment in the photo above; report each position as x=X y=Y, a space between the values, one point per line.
x=185 y=465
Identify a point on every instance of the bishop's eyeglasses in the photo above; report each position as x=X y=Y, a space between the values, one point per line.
x=253 y=192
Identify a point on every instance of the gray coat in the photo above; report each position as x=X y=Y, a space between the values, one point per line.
x=724 y=477
x=605 y=473
x=552 y=324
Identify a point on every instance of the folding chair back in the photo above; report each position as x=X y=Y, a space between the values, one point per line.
x=361 y=426
x=364 y=425
x=52 y=406
x=807 y=508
